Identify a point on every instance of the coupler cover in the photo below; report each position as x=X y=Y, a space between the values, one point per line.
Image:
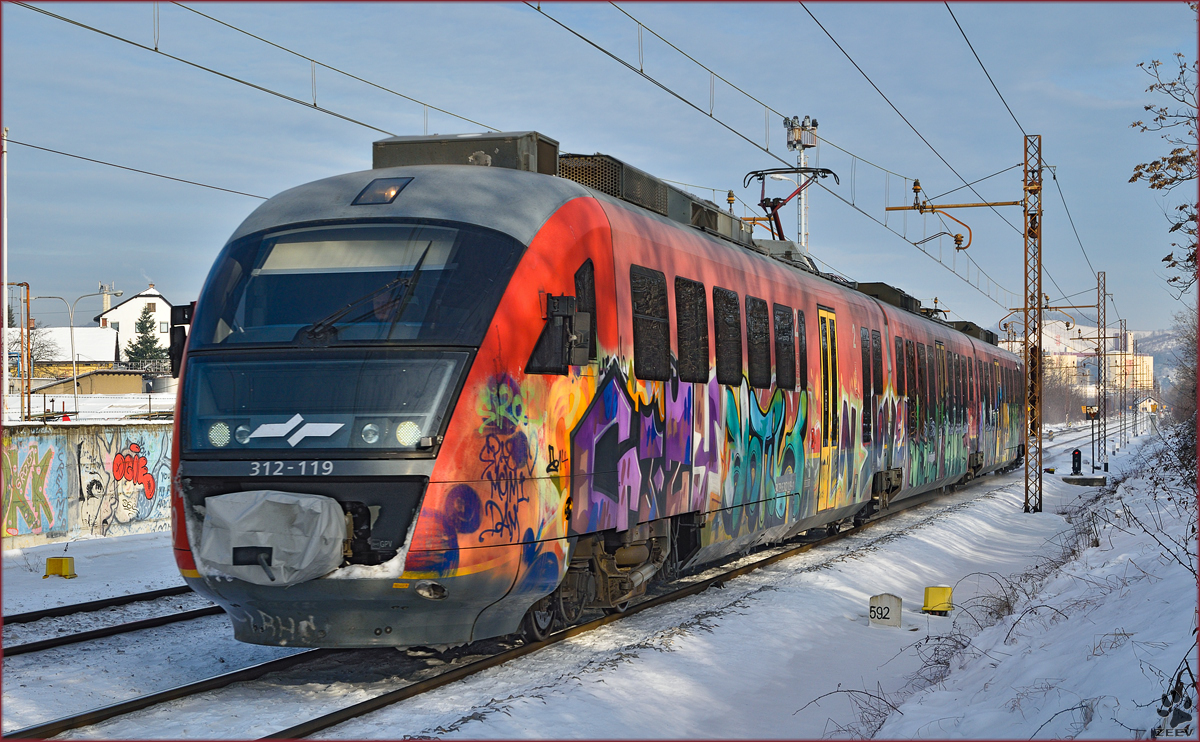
x=272 y=538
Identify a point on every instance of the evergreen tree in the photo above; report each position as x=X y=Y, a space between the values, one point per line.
x=144 y=346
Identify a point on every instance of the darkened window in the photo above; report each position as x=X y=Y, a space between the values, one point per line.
x=910 y=363
x=864 y=345
x=958 y=387
x=961 y=381
x=802 y=350
x=970 y=382
x=864 y=342
x=785 y=348
x=758 y=343
x=922 y=383
x=691 y=329
x=935 y=381
x=942 y=379
x=727 y=317
x=651 y=334
x=877 y=361
x=585 y=298
x=899 y=376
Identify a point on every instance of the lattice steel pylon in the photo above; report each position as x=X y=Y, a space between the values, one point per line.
x=1122 y=347
x=1102 y=366
x=1032 y=205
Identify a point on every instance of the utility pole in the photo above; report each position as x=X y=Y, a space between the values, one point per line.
x=4 y=411
x=1032 y=206
x=1032 y=309
x=1102 y=373
x=1124 y=383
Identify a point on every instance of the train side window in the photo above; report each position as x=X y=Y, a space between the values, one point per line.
x=802 y=350
x=691 y=329
x=959 y=386
x=785 y=348
x=877 y=361
x=585 y=299
x=865 y=346
x=922 y=383
x=970 y=383
x=727 y=316
x=899 y=377
x=758 y=343
x=651 y=333
x=910 y=363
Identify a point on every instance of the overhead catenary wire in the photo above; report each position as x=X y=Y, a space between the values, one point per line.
x=903 y=118
x=1053 y=174
x=331 y=68
x=984 y=68
x=766 y=151
x=210 y=70
x=743 y=92
x=136 y=170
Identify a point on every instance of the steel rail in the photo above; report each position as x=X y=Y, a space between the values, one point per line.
x=95 y=605
x=95 y=716
x=121 y=628
x=362 y=708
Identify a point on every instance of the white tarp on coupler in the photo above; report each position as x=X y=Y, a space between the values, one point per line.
x=299 y=535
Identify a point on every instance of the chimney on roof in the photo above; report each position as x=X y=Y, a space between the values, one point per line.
x=151 y=285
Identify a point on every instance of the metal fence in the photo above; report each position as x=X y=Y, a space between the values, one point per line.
x=96 y=407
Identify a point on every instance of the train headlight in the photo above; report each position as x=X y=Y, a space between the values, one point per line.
x=242 y=434
x=370 y=434
x=408 y=433
x=218 y=435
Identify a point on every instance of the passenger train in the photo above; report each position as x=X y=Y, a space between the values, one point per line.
x=485 y=385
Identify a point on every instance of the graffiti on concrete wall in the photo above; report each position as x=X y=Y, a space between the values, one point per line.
x=35 y=486
x=122 y=477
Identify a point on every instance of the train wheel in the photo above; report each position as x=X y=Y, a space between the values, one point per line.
x=568 y=610
x=833 y=528
x=538 y=621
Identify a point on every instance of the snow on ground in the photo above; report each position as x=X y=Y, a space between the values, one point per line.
x=753 y=661
x=106 y=567
x=786 y=651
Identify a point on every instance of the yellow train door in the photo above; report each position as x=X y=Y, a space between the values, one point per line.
x=829 y=407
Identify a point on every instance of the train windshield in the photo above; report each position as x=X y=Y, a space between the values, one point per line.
x=415 y=283
x=334 y=399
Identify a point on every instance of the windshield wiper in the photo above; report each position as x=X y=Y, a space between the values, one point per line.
x=319 y=329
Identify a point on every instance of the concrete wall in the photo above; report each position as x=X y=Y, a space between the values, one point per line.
x=65 y=481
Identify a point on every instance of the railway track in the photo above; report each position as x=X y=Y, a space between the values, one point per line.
x=13 y=650
x=771 y=555
x=95 y=605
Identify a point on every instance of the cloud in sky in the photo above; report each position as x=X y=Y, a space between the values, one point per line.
x=1067 y=70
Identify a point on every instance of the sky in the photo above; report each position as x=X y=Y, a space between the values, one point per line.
x=1068 y=71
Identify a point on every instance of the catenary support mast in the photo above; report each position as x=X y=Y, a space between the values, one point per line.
x=1032 y=205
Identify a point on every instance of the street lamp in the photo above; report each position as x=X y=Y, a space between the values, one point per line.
x=71 y=320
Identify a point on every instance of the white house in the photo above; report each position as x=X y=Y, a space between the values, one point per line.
x=124 y=316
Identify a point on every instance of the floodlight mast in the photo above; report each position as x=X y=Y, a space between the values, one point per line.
x=801 y=136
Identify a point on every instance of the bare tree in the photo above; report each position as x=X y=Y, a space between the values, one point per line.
x=1176 y=120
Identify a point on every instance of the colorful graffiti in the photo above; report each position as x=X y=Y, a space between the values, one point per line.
x=119 y=472
x=547 y=457
x=35 y=486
